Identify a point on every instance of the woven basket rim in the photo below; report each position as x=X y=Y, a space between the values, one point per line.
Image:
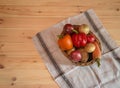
x=90 y=62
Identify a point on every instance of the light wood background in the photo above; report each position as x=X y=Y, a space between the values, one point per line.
x=20 y=63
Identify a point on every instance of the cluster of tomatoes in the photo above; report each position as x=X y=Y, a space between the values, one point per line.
x=77 y=42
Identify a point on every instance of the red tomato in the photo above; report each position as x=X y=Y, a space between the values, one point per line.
x=79 y=40
x=90 y=38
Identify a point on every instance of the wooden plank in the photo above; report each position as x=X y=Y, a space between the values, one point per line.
x=40 y=23
x=38 y=2
x=53 y=11
x=58 y=2
x=25 y=22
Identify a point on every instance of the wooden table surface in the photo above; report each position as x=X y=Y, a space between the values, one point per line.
x=20 y=63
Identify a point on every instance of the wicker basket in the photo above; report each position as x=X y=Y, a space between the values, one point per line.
x=89 y=62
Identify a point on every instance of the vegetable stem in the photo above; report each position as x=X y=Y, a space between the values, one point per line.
x=98 y=62
x=60 y=36
x=75 y=31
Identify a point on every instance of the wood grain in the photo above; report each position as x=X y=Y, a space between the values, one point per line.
x=20 y=64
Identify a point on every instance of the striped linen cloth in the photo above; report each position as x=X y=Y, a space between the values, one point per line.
x=67 y=74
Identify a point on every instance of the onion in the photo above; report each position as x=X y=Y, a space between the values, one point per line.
x=90 y=47
x=84 y=28
x=75 y=56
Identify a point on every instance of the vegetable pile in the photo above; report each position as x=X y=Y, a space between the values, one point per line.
x=80 y=44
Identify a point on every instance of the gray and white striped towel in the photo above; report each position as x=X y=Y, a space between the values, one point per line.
x=67 y=74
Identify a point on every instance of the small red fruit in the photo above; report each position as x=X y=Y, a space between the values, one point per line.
x=68 y=28
x=90 y=38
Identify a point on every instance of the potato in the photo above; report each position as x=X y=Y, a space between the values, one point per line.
x=84 y=54
x=90 y=47
x=84 y=28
